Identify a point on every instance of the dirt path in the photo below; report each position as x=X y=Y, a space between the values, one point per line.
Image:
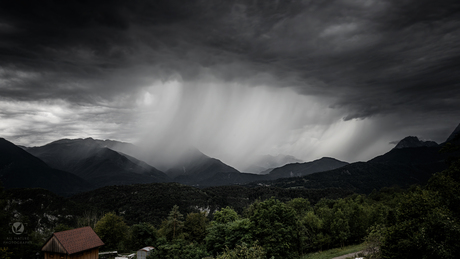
x=353 y=255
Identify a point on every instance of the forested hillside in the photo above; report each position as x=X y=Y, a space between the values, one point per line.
x=422 y=221
x=186 y=222
x=398 y=167
x=152 y=202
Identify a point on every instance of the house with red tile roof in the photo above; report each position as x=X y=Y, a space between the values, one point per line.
x=79 y=243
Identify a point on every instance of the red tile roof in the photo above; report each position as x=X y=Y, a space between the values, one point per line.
x=79 y=239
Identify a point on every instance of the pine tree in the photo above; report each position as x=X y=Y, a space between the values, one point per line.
x=171 y=228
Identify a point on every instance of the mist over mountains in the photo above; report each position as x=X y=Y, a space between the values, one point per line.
x=102 y=163
x=302 y=169
x=93 y=161
x=69 y=166
x=264 y=164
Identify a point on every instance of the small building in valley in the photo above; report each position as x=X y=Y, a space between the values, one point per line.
x=144 y=252
x=79 y=243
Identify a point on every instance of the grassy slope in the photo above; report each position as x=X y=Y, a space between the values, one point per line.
x=328 y=254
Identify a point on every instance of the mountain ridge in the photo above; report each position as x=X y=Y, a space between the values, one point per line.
x=93 y=161
x=306 y=168
x=264 y=164
x=398 y=167
x=413 y=160
x=413 y=141
x=20 y=169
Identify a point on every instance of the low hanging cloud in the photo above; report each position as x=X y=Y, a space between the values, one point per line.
x=236 y=79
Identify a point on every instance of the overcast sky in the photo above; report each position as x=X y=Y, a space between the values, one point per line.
x=233 y=78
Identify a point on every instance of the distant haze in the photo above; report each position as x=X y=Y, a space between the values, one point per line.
x=234 y=79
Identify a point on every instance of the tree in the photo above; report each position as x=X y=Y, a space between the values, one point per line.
x=447 y=185
x=112 y=230
x=226 y=231
x=142 y=235
x=178 y=249
x=195 y=226
x=425 y=228
x=4 y=253
x=325 y=214
x=243 y=252
x=62 y=227
x=312 y=237
x=172 y=227
x=216 y=238
x=373 y=242
x=89 y=218
x=225 y=215
x=300 y=205
x=229 y=235
x=358 y=214
x=274 y=224
x=340 y=228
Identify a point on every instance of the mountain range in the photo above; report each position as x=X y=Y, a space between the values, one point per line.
x=70 y=166
x=411 y=161
x=94 y=162
x=102 y=163
x=20 y=169
x=302 y=169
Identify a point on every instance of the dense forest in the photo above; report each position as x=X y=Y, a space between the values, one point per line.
x=240 y=222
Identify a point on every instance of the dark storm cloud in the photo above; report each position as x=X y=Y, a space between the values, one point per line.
x=387 y=61
x=399 y=49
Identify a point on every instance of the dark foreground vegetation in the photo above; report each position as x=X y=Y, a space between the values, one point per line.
x=239 y=222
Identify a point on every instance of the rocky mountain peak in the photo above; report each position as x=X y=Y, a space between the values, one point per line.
x=412 y=141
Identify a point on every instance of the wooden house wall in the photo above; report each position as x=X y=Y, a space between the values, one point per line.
x=51 y=255
x=88 y=254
